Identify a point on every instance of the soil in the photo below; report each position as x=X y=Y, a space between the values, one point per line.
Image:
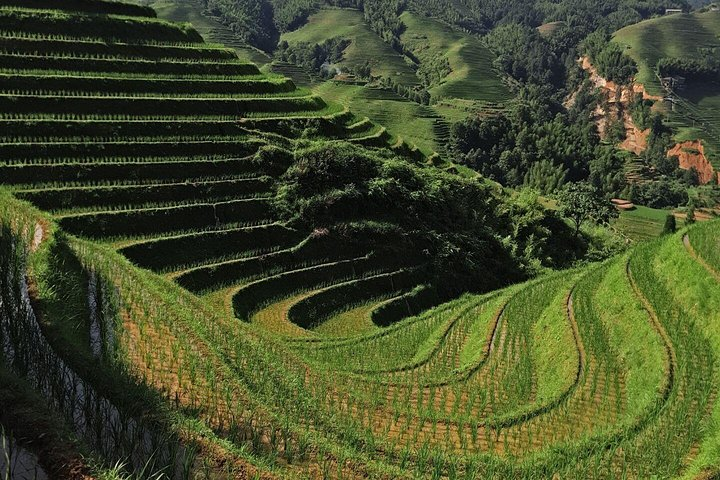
x=691 y=154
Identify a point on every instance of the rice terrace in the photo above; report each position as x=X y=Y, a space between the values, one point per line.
x=209 y=270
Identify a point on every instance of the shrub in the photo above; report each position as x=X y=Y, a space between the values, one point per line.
x=462 y=228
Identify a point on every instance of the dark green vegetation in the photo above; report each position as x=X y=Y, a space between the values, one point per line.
x=539 y=144
x=345 y=40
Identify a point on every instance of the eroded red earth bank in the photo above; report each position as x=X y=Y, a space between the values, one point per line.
x=691 y=154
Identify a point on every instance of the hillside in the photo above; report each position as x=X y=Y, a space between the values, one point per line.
x=365 y=46
x=418 y=125
x=212 y=29
x=471 y=85
x=471 y=78
x=689 y=36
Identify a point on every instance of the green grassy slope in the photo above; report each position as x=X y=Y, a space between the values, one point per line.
x=642 y=223
x=472 y=77
x=366 y=46
x=473 y=83
x=697 y=115
x=413 y=122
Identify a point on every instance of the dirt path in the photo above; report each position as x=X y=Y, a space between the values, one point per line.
x=698 y=258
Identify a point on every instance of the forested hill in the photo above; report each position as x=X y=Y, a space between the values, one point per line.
x=262 y=21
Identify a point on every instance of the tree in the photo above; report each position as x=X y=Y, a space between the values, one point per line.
x=670 y=224
x=690 y=218
x=582 y=202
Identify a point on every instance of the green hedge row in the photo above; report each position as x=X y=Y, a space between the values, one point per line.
x=67 y=198
x=157 y=106
x=79 y=48
x=118 y=129
x=162 y=220
x=119 y=65
x=258 y=294
x=174 y=252
x=310 y=312
x=86 y=6
x=333 y=126
x=140 y=85
x=312 y=251
x=407 y=305
x=110 y=28
x=127 y=171
x=380 y=140
x=19 y=152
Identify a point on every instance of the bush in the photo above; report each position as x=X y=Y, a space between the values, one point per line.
x=659 y=194
x=462 y=228
x=694 y=69
x=670 y=224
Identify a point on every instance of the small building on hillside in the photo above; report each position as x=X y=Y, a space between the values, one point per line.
x=672 y=11
x=673 y=83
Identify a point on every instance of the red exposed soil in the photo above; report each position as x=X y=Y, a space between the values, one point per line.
x=635 y=139
x=691 y=154
x=613 y=88
x=618 y=98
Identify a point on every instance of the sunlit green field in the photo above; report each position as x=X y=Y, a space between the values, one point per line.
x=472 y=77
x=641 y=223
x=411 y=121
x=366 y=46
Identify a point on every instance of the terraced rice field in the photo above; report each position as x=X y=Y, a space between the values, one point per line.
x=642 y=223
x=413 y=122
x=473 y=84
x=212 y=30
x=183 y=330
